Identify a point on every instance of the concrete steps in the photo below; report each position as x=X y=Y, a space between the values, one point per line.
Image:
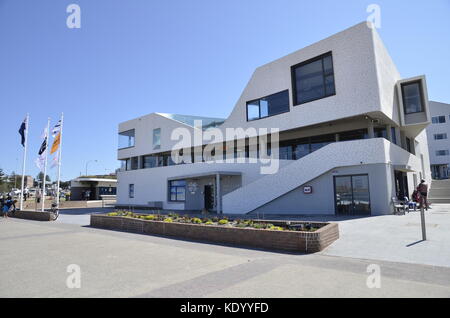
x=439 y=191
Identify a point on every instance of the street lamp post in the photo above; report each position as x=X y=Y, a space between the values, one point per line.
x=87 y=165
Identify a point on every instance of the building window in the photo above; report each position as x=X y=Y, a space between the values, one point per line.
x=441 y=152
x=148 y=162
x=313 y=79
x=412 y=97
x=126 y=139
x=393 y=135
x=440 y=136
x=408 y=145
x=438 y=119
x=134 y=163
x=131 y=191
x=177 y=191
x=157 y=138
x=125 y=164
x=268 y=106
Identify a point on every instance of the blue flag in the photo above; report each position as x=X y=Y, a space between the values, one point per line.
x=22 y=129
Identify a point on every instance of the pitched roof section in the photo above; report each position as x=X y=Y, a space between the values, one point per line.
x=206 y=122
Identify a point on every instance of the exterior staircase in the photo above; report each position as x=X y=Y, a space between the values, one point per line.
x=439 y=191
x=339 y=154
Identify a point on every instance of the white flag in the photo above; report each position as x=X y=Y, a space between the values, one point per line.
x=56 y=129
x=55 y=160
x=40 y=160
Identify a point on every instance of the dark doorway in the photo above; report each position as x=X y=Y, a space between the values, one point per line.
x=401 y=184
x=208 y=197
x=352 y=195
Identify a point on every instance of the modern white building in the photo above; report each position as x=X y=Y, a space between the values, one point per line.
x=351 y=136
x=438 y=139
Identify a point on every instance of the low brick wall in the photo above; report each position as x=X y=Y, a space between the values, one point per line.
x=32 y=215
x=294 y=241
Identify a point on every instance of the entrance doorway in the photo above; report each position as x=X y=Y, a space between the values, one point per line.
x=208 y=197
x=401 y=184
x=352 y=195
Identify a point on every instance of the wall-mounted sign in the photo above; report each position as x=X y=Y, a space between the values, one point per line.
x=307 y=189
x=192 y=187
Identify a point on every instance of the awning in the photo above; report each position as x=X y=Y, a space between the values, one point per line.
x=404 y=168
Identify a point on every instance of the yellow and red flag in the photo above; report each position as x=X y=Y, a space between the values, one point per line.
x=56 y=143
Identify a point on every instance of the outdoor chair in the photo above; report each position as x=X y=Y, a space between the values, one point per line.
x=411 y=204
x=399 y=206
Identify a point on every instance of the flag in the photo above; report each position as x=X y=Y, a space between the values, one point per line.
x=56 y=129
x=40 y=160
x=22 y=129
x=55 y=160
x=56 y=143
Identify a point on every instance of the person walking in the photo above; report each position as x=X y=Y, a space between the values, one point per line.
x=422 y=188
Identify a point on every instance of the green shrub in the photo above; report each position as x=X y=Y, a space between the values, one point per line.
x=150 y=217
x=113 y=214
x=169 y=220
x=209 y=222
x=276 y=228
x=196 y=221
x=223 y=222
x=258 y=225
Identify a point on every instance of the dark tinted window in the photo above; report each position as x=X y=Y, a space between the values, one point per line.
x=313 y=79
x=412 y=97
x=438 y=119
x=268 y=106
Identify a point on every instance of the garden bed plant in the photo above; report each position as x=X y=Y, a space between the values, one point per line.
x=221 y=221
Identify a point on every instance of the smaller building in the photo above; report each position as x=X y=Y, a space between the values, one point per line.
x=28 y=182
x=438 y=134
x=92 y=187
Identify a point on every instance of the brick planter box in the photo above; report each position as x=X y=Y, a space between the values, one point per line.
x=33 y=215
x=293 y=241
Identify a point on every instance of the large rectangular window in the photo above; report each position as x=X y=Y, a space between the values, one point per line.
x=268 y=106
x=313 y=79
x=157 y=138
x=438 y=119
x=177 y=190
x=412 y=97
x=352 y=195
x=126 y=139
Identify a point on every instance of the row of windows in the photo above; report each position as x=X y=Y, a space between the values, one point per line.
x=311 y=80
x=288 y=150
x=438 y=119
x=177 y=191
x=440 y=136
x=442 y=152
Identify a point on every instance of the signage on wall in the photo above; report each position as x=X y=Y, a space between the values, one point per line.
x=192 y=187
x=307 y=189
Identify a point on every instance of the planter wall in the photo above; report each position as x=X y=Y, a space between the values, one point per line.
x=32 y=215
x=294 y=241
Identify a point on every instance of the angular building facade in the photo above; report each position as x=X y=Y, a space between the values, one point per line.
x=331 y=129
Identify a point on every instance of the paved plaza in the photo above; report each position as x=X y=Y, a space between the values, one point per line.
x=35 y=257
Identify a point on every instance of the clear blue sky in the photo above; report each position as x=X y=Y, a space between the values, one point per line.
x=132 y=58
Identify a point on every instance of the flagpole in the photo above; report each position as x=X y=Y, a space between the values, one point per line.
x=24 y=159
x=45 y=165
x=59 y=160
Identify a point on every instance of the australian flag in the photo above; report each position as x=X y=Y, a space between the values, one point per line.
x=22 y=129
